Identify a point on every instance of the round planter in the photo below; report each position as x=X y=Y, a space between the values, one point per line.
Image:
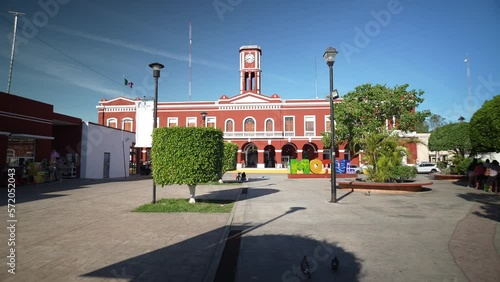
x=449 y=177
x=374 y=186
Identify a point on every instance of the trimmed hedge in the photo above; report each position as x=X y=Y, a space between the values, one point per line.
x=187 y=155
x=230 y=157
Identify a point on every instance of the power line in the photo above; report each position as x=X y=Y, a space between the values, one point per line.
x=71 y=57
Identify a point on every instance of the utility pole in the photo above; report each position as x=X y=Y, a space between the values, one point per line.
x=16 y=14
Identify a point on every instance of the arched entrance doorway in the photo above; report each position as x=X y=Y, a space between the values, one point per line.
x=309 y=151
x=250 y=155
x=288 y=151
x=269 y=156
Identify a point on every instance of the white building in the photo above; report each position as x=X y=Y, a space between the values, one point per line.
x=105 y=151
x=425 y=155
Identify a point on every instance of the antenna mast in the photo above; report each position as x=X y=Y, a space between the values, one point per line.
x=467 y=64
x=16 y=14
x=190 y=50
x=316 y=76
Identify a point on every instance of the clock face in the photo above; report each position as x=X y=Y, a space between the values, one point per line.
x=249 y=58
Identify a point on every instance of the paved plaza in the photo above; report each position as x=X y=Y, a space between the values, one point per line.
x=81 y=230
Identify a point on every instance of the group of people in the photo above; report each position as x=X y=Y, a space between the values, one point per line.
x=484 y=175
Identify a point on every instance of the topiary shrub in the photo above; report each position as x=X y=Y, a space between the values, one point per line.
x=187 y=155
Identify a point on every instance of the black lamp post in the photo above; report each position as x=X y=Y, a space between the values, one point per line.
x=329 y=56
x=203 y=117
x=156 y=74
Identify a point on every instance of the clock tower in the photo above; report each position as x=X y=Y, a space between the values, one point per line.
x=250 y=73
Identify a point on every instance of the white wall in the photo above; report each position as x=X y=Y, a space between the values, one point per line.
x=144 y=116
x=97 y=140
x=490 y=156
x=423 y=153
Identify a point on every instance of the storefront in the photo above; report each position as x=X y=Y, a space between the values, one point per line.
x=30 y=134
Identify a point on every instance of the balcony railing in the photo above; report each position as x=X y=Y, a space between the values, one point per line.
x=309 y=133
x=265 y=134
x=253 y=134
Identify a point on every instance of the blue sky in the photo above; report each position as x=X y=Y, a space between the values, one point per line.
x=76 y=52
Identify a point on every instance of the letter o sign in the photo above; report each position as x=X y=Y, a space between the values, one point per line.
x=316 y=166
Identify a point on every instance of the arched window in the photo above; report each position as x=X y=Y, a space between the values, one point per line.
x=269 y=125
x=229 y=126
x=127 y=124
x=112 y=122
x=249 y=124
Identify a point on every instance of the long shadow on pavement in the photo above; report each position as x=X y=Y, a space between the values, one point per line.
x=187 y=260
x=268 y=257
x=490 y=204
x=279 y=257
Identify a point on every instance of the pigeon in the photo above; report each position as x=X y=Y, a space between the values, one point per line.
x=304 y=266
x=367 y=193
x=335 y=264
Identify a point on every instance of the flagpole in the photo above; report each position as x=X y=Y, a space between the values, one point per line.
x=124 y=79
x=16 y=14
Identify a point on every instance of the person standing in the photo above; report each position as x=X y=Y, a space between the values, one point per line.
x=492 y=180
x=59 y=169
x=479 y=175
x=470 y=172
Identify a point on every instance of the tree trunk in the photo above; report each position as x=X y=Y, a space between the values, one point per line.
x=192 y=190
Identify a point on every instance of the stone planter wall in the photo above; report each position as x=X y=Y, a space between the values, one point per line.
x=407 y=186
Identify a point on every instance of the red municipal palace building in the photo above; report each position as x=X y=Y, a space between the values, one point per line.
x=268 y=130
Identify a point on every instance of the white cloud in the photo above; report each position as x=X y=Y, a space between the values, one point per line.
x=70 y=73
x=135 y=47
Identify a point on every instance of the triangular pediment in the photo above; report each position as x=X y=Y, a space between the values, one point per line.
x=118 y=101
x=248 y=98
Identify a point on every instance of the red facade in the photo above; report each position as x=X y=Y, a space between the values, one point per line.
x=30 y=130
x=267 y=129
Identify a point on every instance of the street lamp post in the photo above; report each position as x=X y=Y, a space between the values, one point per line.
x=203 y=117
x=329 y=56
x=156 y=74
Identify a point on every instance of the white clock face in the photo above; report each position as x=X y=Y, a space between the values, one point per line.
x=249 y=58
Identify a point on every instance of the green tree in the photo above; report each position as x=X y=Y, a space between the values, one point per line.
x=435 y=121
x=230 y=157
x=422 y=127
x=485 y=127
x=451 y=137
x=187 y=155
x=367 y=109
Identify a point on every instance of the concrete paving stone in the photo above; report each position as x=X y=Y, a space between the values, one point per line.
x=85 y=231
x=382 y=237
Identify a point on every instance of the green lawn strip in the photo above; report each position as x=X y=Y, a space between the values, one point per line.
x=182 y=205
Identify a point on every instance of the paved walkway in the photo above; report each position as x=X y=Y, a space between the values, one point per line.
x=82 y=230
x=450 y=233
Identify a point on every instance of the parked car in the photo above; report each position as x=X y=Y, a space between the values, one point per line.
x=427 y=168
x=356 y=168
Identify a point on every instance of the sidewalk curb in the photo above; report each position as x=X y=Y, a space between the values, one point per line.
x=219 y=250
